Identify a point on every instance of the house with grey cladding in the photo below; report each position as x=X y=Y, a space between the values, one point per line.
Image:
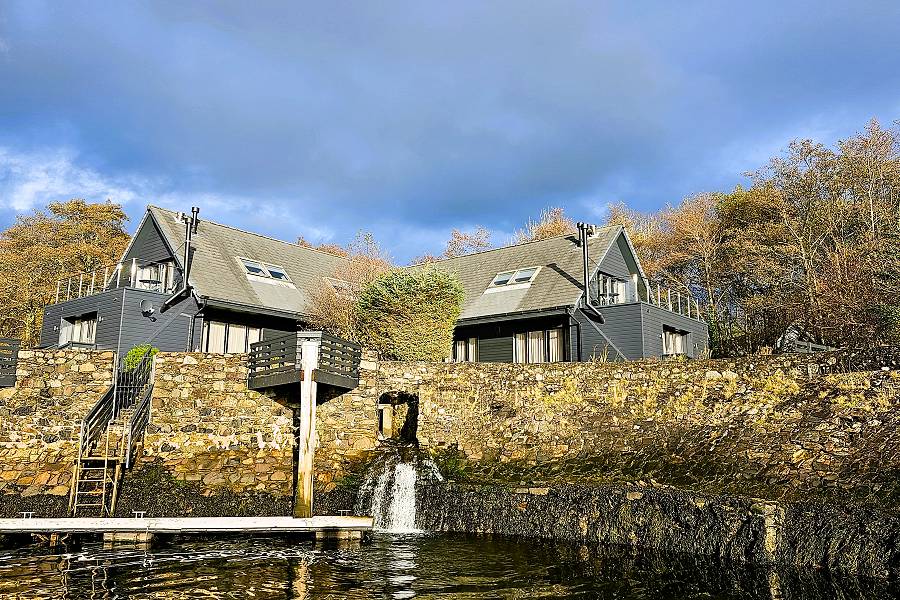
x=526 y=303
x=187 y=284
x=241 y=288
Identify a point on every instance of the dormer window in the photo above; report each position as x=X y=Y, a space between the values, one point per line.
x=521 y=276
x=254 y=268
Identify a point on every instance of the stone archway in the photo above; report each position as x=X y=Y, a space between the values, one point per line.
x=398 y=417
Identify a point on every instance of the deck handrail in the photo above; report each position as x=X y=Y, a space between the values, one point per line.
x=9 y=358
x=113 y=276
x=284 y=354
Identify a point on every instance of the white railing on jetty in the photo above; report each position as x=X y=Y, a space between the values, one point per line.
x=135 y=273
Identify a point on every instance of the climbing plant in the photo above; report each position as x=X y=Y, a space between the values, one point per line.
x=409 y=314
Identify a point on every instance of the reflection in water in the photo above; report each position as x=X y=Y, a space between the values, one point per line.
x=410 y=566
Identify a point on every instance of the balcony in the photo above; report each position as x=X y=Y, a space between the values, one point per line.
x=155 y=276
x=610 y=291
x=279 y=361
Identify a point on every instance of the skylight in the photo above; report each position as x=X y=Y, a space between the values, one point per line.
x=520 y=276
x=254 y=268
x=277 y=273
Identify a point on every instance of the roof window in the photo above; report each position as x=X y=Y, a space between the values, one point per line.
x=259 y=269
x=277 y=273
x=521 y=276
x=254 y=268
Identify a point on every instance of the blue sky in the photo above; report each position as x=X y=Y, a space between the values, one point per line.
x=408 y=119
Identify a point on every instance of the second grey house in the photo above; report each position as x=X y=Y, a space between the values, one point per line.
x=523 y=303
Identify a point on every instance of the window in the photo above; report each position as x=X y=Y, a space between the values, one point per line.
x=78 y=330
x=254 y=268
x=540 y=346
x=465 y=350
x=521 y=276
x=228 y=338
x=343 y=288
x=606 y=289
x=277 y=273
x=674 y=342
x=157 y=277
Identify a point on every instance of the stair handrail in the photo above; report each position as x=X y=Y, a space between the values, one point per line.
x=138 y=424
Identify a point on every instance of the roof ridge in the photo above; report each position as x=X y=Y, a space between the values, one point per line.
x=267 y=237
x=553 y=237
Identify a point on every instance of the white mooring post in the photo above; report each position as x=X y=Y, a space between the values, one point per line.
x=306 y=435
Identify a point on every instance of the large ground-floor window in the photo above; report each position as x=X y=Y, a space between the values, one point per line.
x=228 y=338
x=78 y=330
x=675 y=342
x=547 y=345
x=465 y=350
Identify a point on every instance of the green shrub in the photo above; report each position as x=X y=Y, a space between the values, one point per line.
x=134 y=356
x=409 y=314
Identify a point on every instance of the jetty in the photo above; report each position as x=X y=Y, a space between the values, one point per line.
x=141 y=529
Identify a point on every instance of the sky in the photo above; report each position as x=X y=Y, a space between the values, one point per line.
x=409 y=119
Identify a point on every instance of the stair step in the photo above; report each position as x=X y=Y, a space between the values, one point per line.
x=77 y=506
x=91 y=493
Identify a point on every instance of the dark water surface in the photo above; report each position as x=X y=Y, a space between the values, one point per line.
x=417 y=566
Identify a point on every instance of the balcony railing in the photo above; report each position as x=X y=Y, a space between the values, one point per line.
x=136 y=273
x=279 y=361
x=674 y=301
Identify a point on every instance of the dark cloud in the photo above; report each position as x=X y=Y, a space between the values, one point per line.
x=411 y=118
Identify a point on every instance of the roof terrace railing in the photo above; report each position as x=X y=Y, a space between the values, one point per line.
x=673 y=301
x=618 y=291
x=138 y=274
x=279 y=360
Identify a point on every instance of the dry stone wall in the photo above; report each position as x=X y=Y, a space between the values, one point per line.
x=39 y=424
x=791 y=427
x=211 y=437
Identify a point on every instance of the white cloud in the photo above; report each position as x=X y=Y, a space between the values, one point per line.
x=32 y=179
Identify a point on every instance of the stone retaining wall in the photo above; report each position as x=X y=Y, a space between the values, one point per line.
x=778 y=427
x=211 y=441
x=667 y=520
x=39 y=424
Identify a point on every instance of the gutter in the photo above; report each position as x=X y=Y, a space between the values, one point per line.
x=539 y=312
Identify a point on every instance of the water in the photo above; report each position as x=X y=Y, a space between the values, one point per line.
x=389 y=492
x=402 y=566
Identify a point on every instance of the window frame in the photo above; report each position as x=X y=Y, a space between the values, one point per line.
x=469 y=346
x=513 y=277
x=205 y=331
x=279 y=269
x=522 y=345
x=246 y=262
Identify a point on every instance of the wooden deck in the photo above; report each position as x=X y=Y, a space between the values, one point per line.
x=193 y=525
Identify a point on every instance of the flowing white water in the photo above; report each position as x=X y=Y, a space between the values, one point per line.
x=401 y=516
x=392 y=493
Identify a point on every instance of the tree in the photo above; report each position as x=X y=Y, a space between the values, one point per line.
x=553 y=222
x=334 y=304
x=41 y=248
x=335 y=249
x=410 y=314
x=811 y=245
x=462 y=243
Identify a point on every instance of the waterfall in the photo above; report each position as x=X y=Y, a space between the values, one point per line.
x=390 y=491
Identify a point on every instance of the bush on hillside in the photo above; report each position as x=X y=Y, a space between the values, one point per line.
x=409 y=314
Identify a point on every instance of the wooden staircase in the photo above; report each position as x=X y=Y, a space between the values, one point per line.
x=110 y=435
x=98 y=472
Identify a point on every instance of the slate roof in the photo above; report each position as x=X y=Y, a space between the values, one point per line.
x=217 y=274
x=557 y=284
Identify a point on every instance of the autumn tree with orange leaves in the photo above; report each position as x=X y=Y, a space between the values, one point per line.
x=39 y=249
